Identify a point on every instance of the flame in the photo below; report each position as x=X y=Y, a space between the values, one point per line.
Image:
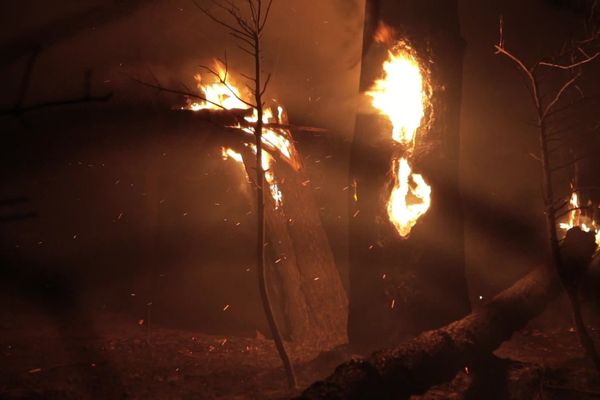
x=407 y=186
x=228 y=153
x=224 y=94
x=402 y=97
x=384 y=33
x=575 y=218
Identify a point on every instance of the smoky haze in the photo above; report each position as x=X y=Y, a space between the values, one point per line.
x=313 y=50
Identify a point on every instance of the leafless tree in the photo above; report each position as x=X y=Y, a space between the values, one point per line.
x=548 y=100
x=247 y=27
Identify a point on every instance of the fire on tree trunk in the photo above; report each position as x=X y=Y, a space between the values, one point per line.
x=406 y=225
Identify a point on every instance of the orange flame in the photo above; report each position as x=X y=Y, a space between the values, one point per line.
x=401 y=96
x=575 y=218
x=224 y=94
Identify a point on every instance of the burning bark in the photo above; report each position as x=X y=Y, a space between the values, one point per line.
x=406 y=225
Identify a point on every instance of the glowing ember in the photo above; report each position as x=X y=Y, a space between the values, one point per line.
x=575 y=218
x=401 y=97
x=225 y=95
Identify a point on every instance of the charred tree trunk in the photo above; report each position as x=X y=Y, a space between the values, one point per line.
x=400 y=287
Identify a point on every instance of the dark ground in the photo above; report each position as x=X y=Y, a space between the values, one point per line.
x=105 y=355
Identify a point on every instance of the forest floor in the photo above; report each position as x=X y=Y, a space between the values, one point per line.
x=41 y=358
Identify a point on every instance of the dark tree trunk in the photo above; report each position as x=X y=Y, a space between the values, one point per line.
x=400 y=287
x=436 y=356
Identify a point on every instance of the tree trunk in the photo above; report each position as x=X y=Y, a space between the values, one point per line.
x=436 y=356
x=309 y=299
x=397 y=284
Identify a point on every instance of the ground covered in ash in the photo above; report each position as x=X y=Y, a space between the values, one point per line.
x=41 y=358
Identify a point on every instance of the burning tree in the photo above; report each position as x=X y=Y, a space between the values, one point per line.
x=406 y=225
x=558 y=155
x=295 y=264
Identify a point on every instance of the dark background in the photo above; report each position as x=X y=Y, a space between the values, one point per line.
x=129 y=207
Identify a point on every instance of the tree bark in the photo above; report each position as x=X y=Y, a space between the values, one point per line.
x=436 y=356
x=396 y=284
x=310 y=301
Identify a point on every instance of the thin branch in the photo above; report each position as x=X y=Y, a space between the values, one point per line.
x=223 y=81
x=582 y=208
x=570 y=66
x=220 y=22
x=57 y=103
x=26 y=80
x=161 y=88
x=574 y=161
x=264 y=89
x=572 y=104
x=527 y=71
x=559 y=94
x=262 y=25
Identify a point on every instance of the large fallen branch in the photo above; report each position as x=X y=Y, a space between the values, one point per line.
x=436 y=356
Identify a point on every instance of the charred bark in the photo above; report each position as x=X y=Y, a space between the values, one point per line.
x=396 y=285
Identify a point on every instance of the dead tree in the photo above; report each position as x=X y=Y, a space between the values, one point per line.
x=546 y=102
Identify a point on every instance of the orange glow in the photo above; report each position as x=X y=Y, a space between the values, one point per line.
x=410 y=198
x=575 y=218
x=402 y=97
x=226 y=95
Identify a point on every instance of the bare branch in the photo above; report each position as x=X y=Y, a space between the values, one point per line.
x=26 y=80
x=221 y=22
x=264 y=89
x=526 y=71
x=262 y=25
x=559 y=94
x=223 y=81
x=582 y=208
x=573 y=161
x=56 y=103
x=570 y=66
x=161 y=88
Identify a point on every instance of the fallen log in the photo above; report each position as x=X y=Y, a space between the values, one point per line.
x=436 y=356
